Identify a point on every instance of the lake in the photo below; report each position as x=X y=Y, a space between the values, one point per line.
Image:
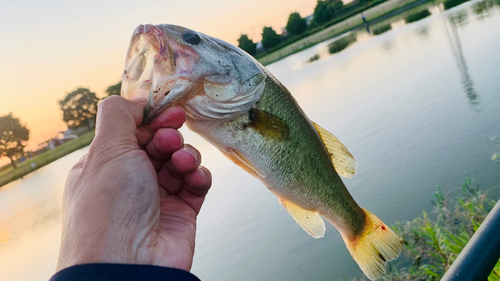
x=417 y=105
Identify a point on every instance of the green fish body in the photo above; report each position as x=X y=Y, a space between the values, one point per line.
x=289 y=158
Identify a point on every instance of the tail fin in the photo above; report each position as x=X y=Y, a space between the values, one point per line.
x=374 y=247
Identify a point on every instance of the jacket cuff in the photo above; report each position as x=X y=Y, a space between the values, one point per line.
x=122 y=272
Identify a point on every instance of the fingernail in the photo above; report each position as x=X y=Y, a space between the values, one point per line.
x=195 y=155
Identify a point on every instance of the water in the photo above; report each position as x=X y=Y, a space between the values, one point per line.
x=417 y=106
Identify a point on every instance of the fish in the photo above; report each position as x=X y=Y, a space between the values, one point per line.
x=238 y=106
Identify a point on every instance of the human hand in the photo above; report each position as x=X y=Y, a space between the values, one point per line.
x=135 y=196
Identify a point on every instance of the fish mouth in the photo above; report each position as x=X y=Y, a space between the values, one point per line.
x=158 y=68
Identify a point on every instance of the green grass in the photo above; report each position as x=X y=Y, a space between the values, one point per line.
x=418 y=16
x=341 y=43
x=432 y=243
x=381 y=29
x=453 y=3
x=8 y=174
x=5 y=168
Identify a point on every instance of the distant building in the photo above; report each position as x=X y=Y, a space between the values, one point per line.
x=260 y=48
x=52 y=143
x=309 y=19
x=62 y=137
x=74 y=133
x=284 y=33
x=78 y=131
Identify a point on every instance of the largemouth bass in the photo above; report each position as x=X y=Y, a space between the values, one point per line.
x=238 y=106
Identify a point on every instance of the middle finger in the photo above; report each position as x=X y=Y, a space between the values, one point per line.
x=165 y=142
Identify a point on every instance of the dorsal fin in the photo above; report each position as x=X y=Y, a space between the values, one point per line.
x=310 y=221
x=342 y=159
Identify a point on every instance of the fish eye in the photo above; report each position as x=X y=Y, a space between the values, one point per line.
x=191 y=37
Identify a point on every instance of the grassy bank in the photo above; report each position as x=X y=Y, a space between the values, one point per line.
x=433 y=242
x=374 y=13
x=350 y=21
x=30 y=165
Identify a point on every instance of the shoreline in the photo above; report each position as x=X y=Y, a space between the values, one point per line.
x=373 y=15
x=10 y=174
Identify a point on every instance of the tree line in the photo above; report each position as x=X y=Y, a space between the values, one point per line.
x=79 y=109
x=324 y=12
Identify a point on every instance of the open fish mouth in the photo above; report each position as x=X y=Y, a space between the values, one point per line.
x=157 y=68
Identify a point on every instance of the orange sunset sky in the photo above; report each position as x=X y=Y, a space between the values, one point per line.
x=49 y=48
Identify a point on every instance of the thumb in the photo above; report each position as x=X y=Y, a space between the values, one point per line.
x=115 y=114
x=116 y=126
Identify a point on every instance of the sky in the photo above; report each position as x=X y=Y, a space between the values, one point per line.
x=49 y=48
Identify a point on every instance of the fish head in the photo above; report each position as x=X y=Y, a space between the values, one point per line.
x=173 y=65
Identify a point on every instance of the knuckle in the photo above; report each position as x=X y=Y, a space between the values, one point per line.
x=108 y=102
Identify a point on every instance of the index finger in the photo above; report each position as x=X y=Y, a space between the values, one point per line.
x=172 y=117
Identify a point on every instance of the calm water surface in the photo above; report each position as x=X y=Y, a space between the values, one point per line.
x=418 y=106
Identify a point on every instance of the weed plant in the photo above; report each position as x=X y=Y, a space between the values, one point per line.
x=417 y=16
x=381 y=29
x=453 y=3
x=313 y=58
x=431 y=243
x=341 y=43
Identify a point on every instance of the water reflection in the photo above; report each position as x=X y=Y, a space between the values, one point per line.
x=313 y=58
x=423 y=32
x=454 y=21
x=459 y=18
x=342 y=43
x=30 y=221
x=4 y=236
x=456 y=48
x=483 y=9
x=397 y=24
x=387 y=45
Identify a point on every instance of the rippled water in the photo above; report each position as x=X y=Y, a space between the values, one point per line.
x=418 y=106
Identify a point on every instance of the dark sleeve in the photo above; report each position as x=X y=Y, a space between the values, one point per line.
x=122 y=272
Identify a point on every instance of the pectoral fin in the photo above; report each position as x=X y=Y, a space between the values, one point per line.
x=342 y=160
x=310 y=221
x=268 y=125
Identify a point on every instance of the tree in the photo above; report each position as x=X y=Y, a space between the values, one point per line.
x=114 y=90
x=247 y=44
x=296 y=25
x=322 y=13
x=269 y=37
x=326 y=10
x=13 y=136
x=337 y=6
x=79 y=107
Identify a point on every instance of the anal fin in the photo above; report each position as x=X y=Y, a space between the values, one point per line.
x=310 y=221
x=343 y=161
